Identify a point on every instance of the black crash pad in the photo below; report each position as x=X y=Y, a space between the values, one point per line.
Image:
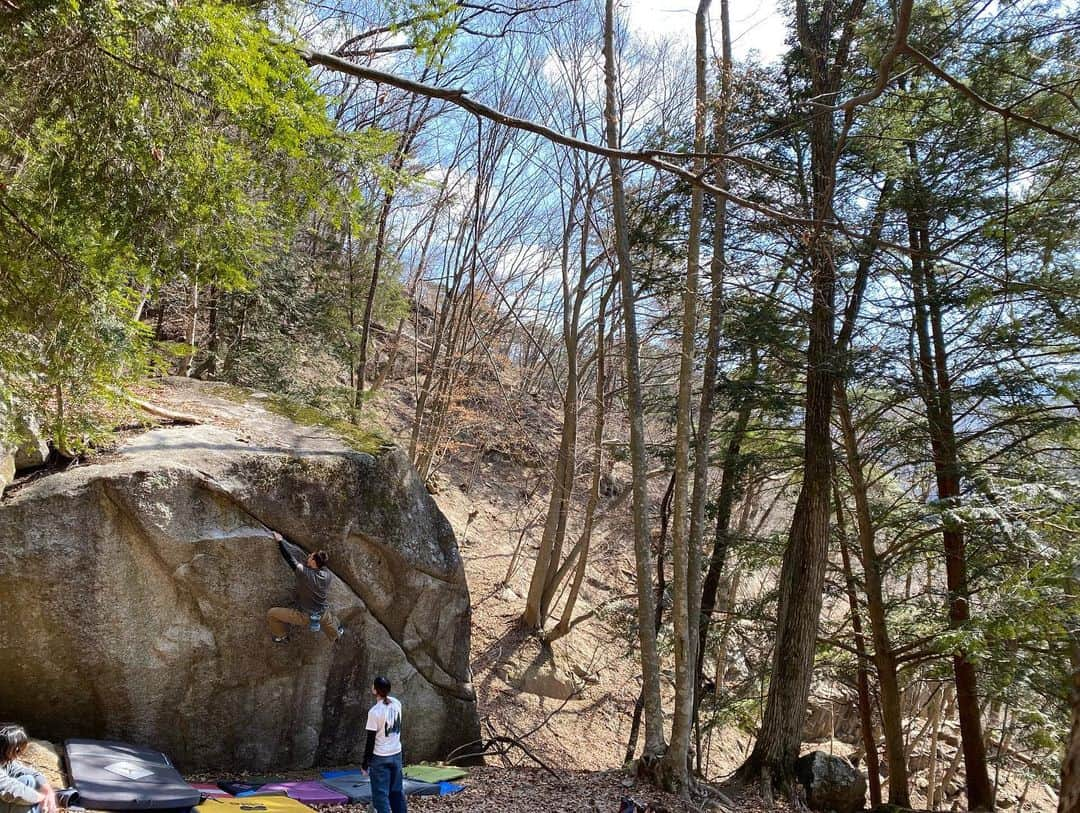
x=248 y=786
x=119 y=776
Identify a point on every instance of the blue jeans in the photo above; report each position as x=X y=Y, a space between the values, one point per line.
x=386 y=777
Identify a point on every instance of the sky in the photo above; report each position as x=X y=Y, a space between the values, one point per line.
x=756 y=25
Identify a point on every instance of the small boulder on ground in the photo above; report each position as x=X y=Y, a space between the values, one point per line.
x=547 y=672
x=21 y=446
x=831 y=783
x=7 y=468
x=32 y=449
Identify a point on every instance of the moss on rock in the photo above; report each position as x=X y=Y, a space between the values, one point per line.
x=365 y=437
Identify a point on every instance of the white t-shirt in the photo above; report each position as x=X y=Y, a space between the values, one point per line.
x=385 y=720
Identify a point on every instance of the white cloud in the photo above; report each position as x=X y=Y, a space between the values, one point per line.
x=757 y=25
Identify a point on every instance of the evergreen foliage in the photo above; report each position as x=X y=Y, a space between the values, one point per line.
x=142 y=144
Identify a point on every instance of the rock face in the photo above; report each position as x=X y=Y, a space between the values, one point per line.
x=832 y=712
x=831 y=783
x=548 y=674
x=134 y=594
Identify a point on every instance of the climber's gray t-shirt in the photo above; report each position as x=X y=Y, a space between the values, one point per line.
x=311 y=589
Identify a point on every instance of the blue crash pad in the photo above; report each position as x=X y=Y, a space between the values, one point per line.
x=357 y=786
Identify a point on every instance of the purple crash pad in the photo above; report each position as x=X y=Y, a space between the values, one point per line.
x=309 y=792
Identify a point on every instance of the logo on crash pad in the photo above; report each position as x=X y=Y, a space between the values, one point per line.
x=128 y=769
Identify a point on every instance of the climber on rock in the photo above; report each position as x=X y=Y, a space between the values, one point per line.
x=312 y=586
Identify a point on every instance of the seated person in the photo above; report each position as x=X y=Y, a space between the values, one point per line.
x=22 y=789
x=312 y=586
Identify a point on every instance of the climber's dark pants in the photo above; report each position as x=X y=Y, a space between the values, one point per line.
x=387 y=793
x=280 y=618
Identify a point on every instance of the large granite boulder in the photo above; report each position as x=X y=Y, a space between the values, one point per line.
x=134 y=593
x=831 y=783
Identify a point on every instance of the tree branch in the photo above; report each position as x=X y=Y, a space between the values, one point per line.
x=460 y=98
x=884 y=69
x=983 y=102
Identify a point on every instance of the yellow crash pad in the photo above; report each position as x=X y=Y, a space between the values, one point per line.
x=254 y=804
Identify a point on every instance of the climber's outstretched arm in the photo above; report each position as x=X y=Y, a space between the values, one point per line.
x=287 y=554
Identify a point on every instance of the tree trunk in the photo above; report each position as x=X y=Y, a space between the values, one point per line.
x=730 y=598
x=862 y=678
x=582 y=547
x=411 y=129
x=190 y=329
x=935 y=737
x=208 y=367
x=427 y=388
x=717 y=273
x=937 y=394
x=369 y=297
x=650 y=661
x=684 y=567
x=159 y=323
x=884 y=657
x=725 y=503
x=1069 y=800
x=536 y=608
x=460 y=319
x=658 y=618
x=802 y=572
x=414 y=284
x=544 y=582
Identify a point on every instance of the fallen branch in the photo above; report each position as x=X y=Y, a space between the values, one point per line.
x=496 y=745
x=159 y=411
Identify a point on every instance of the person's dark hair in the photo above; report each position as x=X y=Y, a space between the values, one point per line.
x=13 y=742
x=382 y=688
x=321 y=558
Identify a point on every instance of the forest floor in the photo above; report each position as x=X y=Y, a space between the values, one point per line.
x=583 y=686
x=571 y=702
